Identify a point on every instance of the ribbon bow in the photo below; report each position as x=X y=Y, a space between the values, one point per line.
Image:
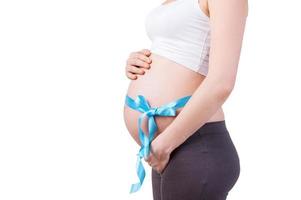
x=142 y=105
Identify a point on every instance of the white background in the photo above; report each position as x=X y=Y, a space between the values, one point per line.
x=62 y=89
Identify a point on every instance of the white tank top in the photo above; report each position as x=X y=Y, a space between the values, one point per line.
x=180 y=31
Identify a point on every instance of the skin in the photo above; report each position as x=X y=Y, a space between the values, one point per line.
x=137 y=63
x=227 y=22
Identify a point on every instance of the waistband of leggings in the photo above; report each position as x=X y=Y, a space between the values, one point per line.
x=214 y=126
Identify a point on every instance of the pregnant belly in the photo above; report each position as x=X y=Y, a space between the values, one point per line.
x=164 y=82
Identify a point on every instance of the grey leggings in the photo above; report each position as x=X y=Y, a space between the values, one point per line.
x=205 y=167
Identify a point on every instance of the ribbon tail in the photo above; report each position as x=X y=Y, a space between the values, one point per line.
x=141 y=175
x=152 y=128
x=140 y=131
x=143 y=139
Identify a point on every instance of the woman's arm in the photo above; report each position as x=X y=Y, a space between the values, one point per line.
x=227 y=21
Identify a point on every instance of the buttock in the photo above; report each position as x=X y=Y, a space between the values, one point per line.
x=206 y=166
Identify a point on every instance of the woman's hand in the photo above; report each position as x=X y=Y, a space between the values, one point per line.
x=159 y=156
x=137 y=63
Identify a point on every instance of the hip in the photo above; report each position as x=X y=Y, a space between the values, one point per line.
x=208 y=159
x=210 y=148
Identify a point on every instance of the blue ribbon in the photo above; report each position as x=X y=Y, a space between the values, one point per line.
x=142 y=105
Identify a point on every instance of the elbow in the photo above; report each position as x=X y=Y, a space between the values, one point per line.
x=221 y=86
x=227 y=88
x=224 y=90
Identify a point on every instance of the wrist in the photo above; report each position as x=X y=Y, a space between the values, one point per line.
x=166 y=144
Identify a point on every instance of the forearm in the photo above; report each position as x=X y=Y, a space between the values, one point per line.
x=204 y=102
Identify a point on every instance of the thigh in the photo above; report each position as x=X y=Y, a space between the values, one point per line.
x=156 y=185
x=185 y=175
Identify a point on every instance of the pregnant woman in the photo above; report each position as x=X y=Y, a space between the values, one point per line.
x=173 y=107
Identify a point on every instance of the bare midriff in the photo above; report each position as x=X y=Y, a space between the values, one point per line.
x=164 y=82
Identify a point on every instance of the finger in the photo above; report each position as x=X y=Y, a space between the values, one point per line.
x=146 y=56
x=144 y=59
x=132 y=54
x=160 y=169
x=135 y=61
x=146 y=52
x=134 y=66
x=135 y=70
x=148 y=158
x=150 y=163
x=153 y=153
x=131 y=76
x=140 y=60
x=157 y=170
x=140 y=55
x=143 y=55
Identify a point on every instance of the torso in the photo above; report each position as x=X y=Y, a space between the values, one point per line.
x=167 y=80
x=164 y=82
